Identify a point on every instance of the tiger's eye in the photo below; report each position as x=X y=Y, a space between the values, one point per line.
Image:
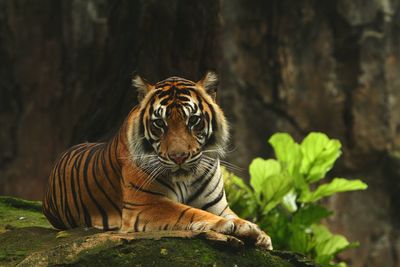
x=193 y=120
x=159 y=123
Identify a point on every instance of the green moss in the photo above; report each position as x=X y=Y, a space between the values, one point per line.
x=177 y=252
x=17 y=244
x=21 y=203
x=17 y=213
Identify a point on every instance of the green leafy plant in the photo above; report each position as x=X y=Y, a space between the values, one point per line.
x=284 y=193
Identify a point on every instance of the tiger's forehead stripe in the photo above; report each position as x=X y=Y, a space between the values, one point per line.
x=174 y=81
x=181 y=94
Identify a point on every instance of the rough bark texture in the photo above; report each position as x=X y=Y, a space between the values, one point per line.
x=295 y=66
x=26 y=239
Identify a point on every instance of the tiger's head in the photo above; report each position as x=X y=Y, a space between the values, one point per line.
x=179 y=127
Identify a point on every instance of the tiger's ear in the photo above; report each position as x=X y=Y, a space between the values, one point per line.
x=210 y=83
x=143 y=87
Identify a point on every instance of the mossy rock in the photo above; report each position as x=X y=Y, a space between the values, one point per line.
x=27 y=239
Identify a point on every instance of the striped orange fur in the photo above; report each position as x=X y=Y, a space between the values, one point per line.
x=161 y=171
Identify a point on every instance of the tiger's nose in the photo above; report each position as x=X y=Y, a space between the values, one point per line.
x=178 y=157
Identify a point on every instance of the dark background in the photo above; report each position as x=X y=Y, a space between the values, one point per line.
x=293 y=66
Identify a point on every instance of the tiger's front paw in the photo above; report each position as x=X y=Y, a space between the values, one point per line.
x=247 y=230
x=237 y=227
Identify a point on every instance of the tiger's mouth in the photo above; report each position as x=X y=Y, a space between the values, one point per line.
x=181 y=170
x=182 y=167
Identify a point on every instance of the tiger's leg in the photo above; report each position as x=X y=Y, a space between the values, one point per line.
x=146 y=210
x=158 y=213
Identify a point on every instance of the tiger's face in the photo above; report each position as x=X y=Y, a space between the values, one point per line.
x=180 y=128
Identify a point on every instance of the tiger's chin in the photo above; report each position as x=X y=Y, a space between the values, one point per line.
x=181 y=174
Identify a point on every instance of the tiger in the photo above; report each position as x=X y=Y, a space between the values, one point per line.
x=161 y=171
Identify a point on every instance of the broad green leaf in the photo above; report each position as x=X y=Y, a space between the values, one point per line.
x=299 y=240
x=332 y=245
x=260 y=171
x=321 y=233
x=275 y=188
x=327 y=245
x=337 y=185
x=319 y=155
x=269 y=183
x=289 y=155
x=309 y=215
x=287 y=151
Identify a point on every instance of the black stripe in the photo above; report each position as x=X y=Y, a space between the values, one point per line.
x=76 y=154
x=213 y=202
x=61 y=195
x=147 y=147
x=90 y=158
x=227 y=205
x=192 y=218
x=165 y=93
x=183 y=98
x=185 y=194
x=105 y=171
x=199 y=102
x=145 y=191
x=94 y=168
x=181 y=192
x=213 y=119
x=200 y=179
x=70 y=218
x=181 y=215
x=52 y=209
x=213 y=188
x=185 y=186
x=67 y=210
x=136 y=204
x=145 y=226
x=184 y=91
x=113 y=168
x=72 y=180
x=161 y=84
x=158 y=180
x=54 y=197
x=141 y=123
x=234 y=228
x=55 y=221
x=203 y=185
x=165 y=101
x=116 y=142
x=57 y=199
x=185 y=83
x=77 y=166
